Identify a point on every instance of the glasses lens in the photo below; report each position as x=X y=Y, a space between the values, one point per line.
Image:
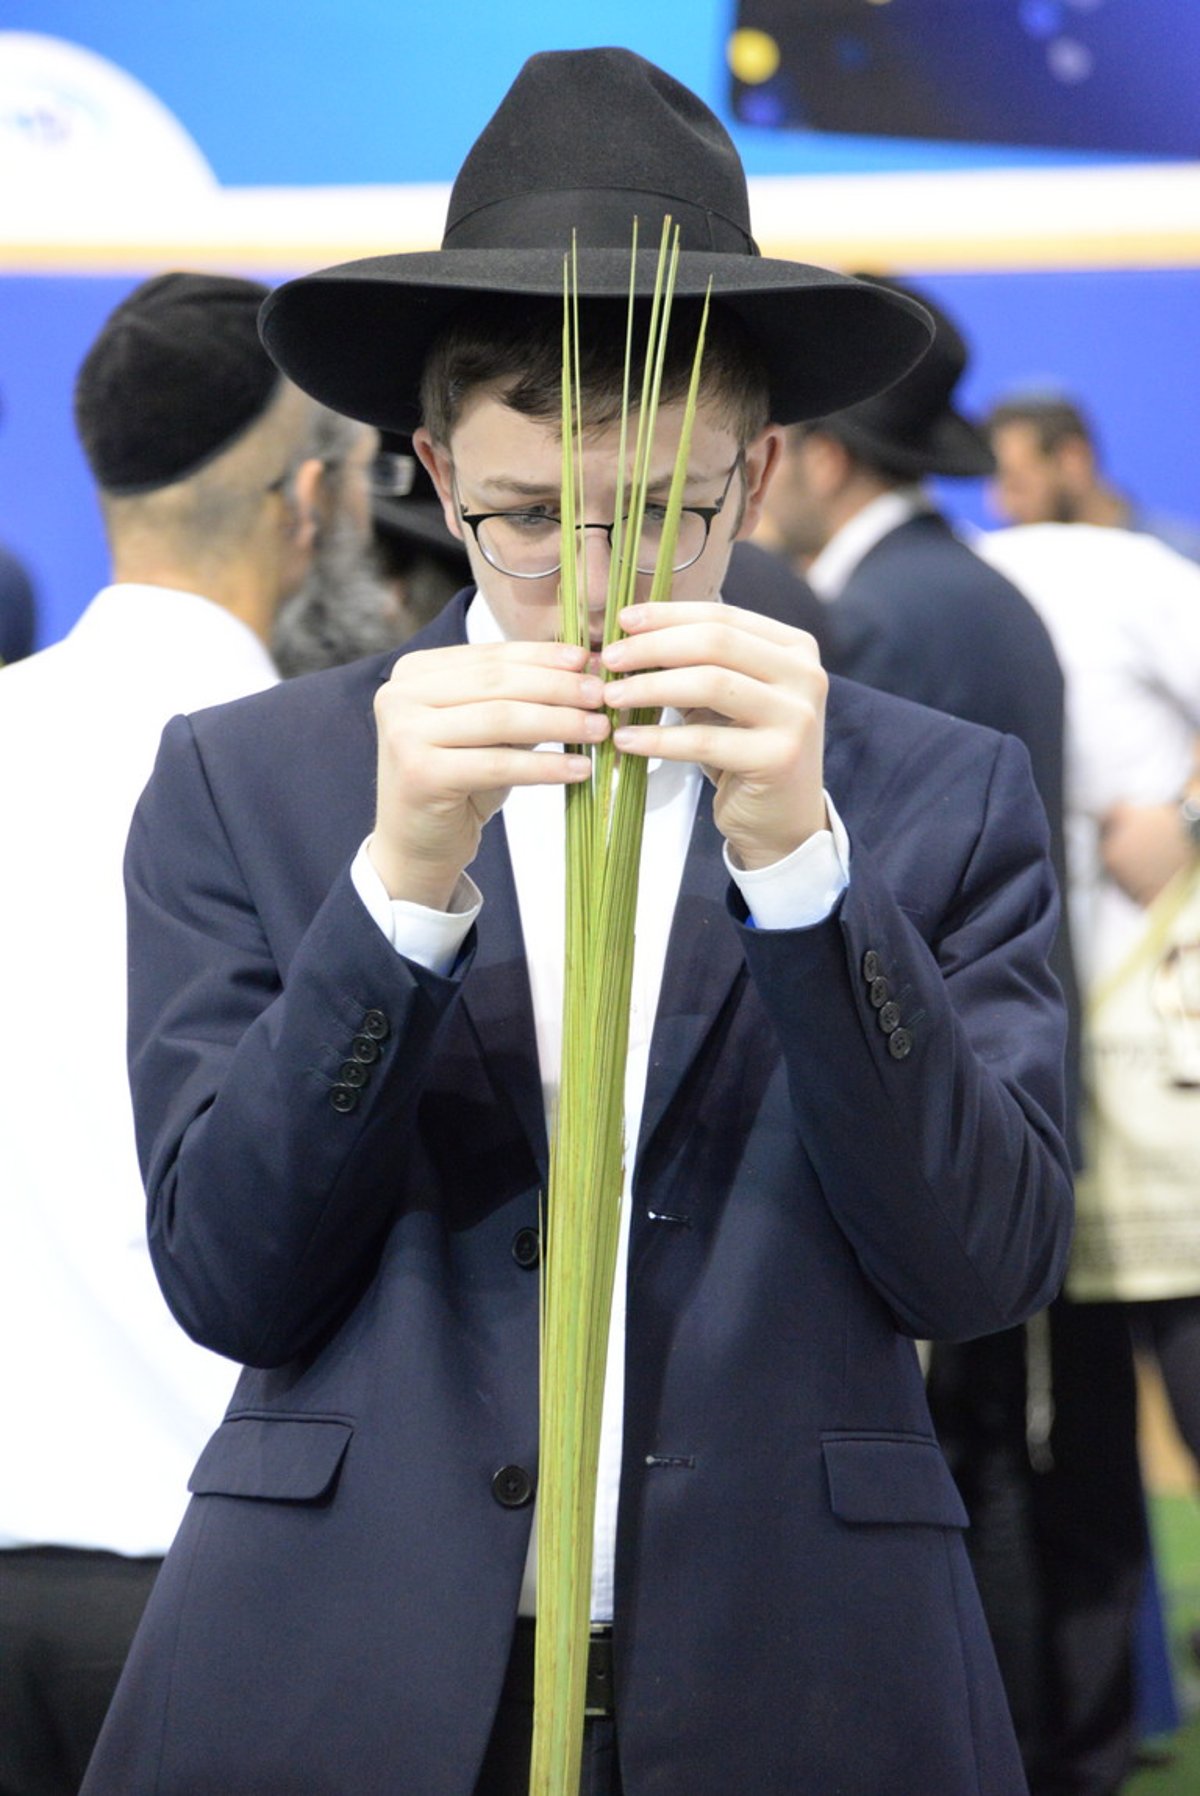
x=689 y=543
x=522 y=543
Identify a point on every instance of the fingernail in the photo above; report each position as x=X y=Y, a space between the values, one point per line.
x=591 y=690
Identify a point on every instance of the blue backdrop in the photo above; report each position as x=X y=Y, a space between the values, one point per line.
x=331 y=91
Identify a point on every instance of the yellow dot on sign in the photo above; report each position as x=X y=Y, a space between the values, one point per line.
x=753 y=56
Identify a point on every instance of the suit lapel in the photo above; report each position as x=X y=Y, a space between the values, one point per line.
x=496 y=996
x=704 y=963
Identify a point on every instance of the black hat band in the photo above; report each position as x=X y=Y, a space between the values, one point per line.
x=601 y=219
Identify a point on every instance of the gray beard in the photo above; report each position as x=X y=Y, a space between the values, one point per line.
x=342 y=611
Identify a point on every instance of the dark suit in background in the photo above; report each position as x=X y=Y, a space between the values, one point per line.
x=761 y=581
x=18 y=610
x=924 y=617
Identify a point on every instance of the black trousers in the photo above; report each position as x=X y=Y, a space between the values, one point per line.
x=506 y=1764
x=1060 y=1551
x=1169 y=1328
x=67 y=1619
x=506 y=1767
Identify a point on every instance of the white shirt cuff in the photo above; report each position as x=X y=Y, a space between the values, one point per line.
x=803 y=888
x=431 y=938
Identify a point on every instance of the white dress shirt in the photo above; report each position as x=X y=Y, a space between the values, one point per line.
x=105 y=1402
x=798 y=891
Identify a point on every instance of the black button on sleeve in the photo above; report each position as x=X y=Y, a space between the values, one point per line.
x=343 y=1099
x=879 y=993
x=526 y=1249
x=900 y=1044
x=354 y=1074
x=512 y=1487
x=376 y=1026
x=889 y=1016
x=872 y=966
x=365 y=1049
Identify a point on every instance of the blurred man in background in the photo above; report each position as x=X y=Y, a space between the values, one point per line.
x=1048 y=471
x=225 y=492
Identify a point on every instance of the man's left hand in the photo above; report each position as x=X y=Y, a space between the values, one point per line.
x=752 y=695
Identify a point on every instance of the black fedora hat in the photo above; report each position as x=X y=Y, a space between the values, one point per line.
x=584 y=141
x=913 y=427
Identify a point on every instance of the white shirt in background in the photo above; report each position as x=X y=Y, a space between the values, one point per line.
x=104 y=1402
x=1123 y=611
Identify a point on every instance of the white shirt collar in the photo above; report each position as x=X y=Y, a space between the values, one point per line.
x=846 y=547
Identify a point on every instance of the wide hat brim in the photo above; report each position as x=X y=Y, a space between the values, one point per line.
x=420 y=521
x=949 y=444
x=356 y=336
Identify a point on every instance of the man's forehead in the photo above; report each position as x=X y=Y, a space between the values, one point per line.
x=494 y=442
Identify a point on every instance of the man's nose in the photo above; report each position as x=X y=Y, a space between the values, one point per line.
x=596 y=547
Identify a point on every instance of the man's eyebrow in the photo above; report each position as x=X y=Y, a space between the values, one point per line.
x=503 y=487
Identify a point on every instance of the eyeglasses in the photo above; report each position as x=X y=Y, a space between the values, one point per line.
x=528 y=544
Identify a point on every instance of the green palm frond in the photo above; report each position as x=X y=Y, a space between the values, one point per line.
x=582 y=1224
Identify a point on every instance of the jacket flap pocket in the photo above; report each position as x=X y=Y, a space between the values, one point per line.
x=891 y=1478
x=287 y=1458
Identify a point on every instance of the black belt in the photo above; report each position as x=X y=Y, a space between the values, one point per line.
x=518 y=1681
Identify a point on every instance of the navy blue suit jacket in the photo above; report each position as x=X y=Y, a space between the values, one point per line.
x=818 y=1179
x=924 y=617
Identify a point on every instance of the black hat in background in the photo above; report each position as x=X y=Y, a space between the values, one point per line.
x=913 y=428
x=585 y=141
x=404 y=501
x=176 y=375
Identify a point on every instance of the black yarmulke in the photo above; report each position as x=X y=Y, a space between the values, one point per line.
x=175 y=376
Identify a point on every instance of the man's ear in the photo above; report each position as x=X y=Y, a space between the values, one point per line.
x=1076 y=464
x=308 y=502
x=762 y=459
x=437 y=464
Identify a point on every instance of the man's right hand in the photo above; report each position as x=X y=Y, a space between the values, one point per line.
x=458 y=729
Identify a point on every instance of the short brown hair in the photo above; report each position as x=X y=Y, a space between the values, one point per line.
x=515 y=345
x=1053 y=417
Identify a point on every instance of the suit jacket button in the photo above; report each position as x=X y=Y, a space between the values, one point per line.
x=512 y=1487
x=344 y=1099
x=900 y=1043
x=872 y=966
x=376 y=1026
x=526 y=1249
x=364 y=1049
x=879 y=993
x=354 y=1074
x=889 y=1017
